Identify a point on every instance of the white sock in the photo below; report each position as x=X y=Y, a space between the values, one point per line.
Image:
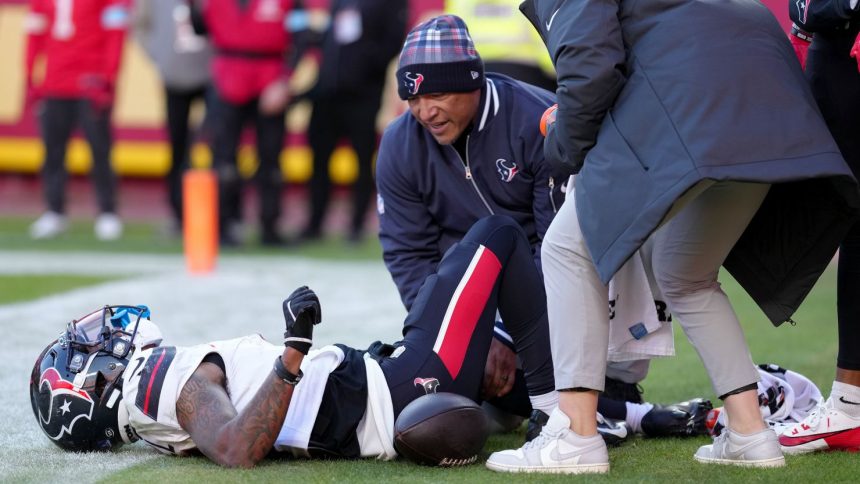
x=635 y=412
x=846 y=398
x=546 y=402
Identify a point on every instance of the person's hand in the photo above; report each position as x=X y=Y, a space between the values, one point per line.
x=855 y=51
x=301 y=312
x=500 y=370
x=275 y=96
x=800 y=41
x=548 y=118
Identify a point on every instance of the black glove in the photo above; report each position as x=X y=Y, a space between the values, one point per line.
x=301 y=312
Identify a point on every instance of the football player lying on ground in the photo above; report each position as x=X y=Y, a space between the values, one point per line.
x=107 y=380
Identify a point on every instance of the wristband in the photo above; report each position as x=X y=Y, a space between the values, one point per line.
x=284 y=374
x=800 y=34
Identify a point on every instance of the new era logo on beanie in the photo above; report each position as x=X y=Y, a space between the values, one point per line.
x=439 y=56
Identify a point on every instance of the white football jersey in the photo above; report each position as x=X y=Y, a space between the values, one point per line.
x=155 y=377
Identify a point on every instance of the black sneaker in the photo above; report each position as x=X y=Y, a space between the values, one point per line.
x=614 y=432
x=536 y=422
x=677 y=420
x=625 y=392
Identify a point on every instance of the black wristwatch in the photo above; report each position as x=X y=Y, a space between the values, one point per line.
x=284 y=374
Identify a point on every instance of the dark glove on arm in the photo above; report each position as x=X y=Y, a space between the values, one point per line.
x=301 y=312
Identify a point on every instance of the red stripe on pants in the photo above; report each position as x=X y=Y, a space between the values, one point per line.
x=465 y=309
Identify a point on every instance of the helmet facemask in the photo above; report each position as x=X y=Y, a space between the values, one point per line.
x=76 y=384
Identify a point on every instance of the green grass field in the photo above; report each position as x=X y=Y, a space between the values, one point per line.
x=149 y=238
x=808 y=347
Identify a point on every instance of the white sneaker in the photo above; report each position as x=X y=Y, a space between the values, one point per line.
x=49 y=225
x=826 y=428
x=108 y=227
x=557 y=450
x=760 y=449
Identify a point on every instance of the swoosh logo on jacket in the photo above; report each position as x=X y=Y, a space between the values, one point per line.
x=549 y=22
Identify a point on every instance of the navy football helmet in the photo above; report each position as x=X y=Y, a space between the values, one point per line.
x=76 y=383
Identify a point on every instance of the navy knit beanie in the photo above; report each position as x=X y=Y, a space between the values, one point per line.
x=439 y=56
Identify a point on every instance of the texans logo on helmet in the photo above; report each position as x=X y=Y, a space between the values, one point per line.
x=507 y=169
x=62 y=398
x=413 y=83
x=429 y=384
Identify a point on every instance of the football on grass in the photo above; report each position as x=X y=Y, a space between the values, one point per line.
x=441 y=429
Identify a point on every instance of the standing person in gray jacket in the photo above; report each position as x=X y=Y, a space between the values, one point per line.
x=163 y=28
x=697 y=143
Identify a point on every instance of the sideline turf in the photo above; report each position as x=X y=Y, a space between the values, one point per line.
x=150 y=237
x=26 y=287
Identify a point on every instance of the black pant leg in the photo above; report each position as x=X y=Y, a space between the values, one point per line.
x=521 y=297
x=178 y=105
x=323 y=133
x=270 y=143
x=361 y=127
x=847 y=302
x=448 y=330
x=227 y=130
x=97 y=129
x=835 y=82
x=56 y=119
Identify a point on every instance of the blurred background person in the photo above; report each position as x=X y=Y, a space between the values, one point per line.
x=163 y=28
x=361 y=39
x=507 y=43
x=251 y=73
x=80 y=42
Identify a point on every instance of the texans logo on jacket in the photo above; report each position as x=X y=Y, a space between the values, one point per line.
x=413 y=82
x=507 y=169
x=58 y=397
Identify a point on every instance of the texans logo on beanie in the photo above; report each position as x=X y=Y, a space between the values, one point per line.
x=439 y=56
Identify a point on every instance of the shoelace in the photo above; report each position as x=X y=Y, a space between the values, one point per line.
x=720 y=441
x=814 y=418
x=542 y=438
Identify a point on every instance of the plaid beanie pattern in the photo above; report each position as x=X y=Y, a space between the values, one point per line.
x=439 y=56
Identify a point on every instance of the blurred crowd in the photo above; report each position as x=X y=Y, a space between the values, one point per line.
x=234 y=60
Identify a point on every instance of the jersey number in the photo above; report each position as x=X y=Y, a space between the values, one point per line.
x=63 y=27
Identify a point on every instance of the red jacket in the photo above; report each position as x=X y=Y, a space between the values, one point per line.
x=81 y=41
x=250 y=45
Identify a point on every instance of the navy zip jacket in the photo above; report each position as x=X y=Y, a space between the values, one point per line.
x=429 y=195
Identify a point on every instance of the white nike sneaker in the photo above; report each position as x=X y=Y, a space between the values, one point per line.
x=557 y=450
x=49 y=225
x=108 y=227
x=760 y=449
x=826 y=428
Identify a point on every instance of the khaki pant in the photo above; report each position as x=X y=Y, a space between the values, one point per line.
x=683 y=256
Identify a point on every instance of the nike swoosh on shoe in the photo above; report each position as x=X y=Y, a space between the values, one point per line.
x=842 y=399
x=805 y=439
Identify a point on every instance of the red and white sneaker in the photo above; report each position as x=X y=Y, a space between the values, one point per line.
x=826 y=428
